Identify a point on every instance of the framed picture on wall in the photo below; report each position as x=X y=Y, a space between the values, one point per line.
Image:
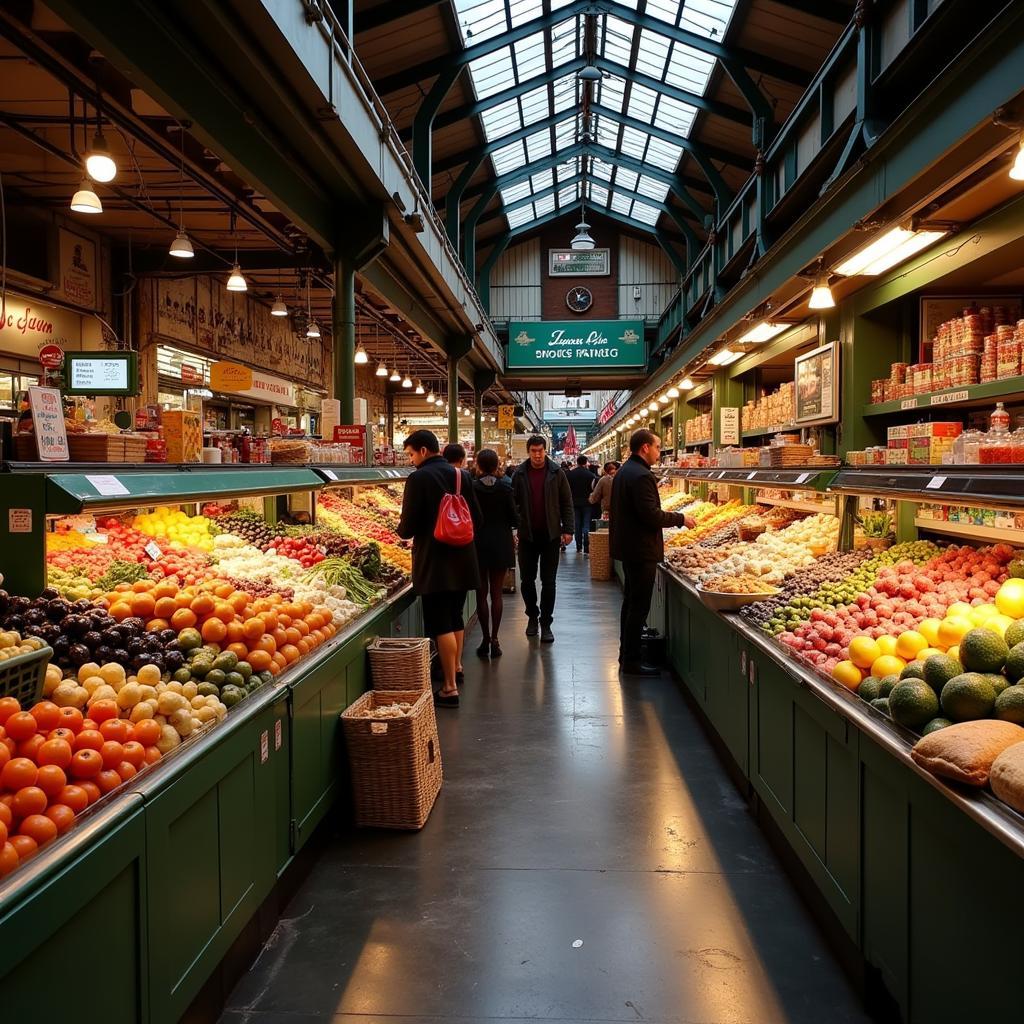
x=817 y=385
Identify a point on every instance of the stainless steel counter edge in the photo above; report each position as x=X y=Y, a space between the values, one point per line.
x=96 y=823
x=992 y=814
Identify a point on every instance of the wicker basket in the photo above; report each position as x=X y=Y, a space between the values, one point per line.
x=24 y=675
x=395 y=762
x=600 y=556
x=400 y=663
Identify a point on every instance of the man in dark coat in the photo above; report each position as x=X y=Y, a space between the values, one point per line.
x=636 y=521
x=544 y=505
x=581 y=483
x=441 y=574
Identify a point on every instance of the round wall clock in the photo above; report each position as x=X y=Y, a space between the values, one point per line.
x=579 y=299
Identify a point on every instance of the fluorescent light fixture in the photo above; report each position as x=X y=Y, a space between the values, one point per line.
x=361 y=358
x=1017 y=170
x=407 y=381
x=85 y=199
x=313 y=331
x=236 y=283
x=98 y=162
x=419 y=386
x=725 y=357
x=687 y=384
x=821 y=293
x=672 y=392
x=279 y=308
x=887 y=250
x=395 y=377
x=764 y=331
x=182 y=248
x=382 y=370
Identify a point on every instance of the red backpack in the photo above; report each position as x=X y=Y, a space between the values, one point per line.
x=454 y=524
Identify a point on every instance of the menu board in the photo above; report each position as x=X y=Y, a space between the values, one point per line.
x=48 y=424
x=101 y=373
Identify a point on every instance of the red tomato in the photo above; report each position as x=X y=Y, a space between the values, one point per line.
x=20 y=726
x=86 y=764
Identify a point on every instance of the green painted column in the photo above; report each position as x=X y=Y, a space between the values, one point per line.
x=727 y=392
x=478 y=422
x=343 y=319
x=453 y=399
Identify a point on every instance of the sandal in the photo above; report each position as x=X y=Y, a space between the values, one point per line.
x=442 y=700
x=495 y=649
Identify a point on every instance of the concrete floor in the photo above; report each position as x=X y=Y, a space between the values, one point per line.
x=587 y=860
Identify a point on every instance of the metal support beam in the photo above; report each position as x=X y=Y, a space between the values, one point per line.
x=483 y=284
x=678 y=261
x=343 y=318
x=453 y=399
x=422 y=125
x=386 y=13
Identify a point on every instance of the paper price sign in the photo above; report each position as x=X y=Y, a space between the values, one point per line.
x=48 y=424
x=804 y=477
x=935 y=483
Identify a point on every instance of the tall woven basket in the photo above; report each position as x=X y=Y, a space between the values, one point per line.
x=395 y=762
x=600 y=556
x=400 y=663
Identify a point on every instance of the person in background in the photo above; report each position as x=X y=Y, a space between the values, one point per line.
x=581 y=483
x=495 y=548
x=636 y=521
x=455 y=455
x=544 y=504
x=601 y=495
x=441 y=574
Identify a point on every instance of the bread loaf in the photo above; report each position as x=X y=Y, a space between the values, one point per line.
x=965 y=752
x=1007 y=776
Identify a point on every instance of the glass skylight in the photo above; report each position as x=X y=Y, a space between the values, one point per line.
x=640 y=52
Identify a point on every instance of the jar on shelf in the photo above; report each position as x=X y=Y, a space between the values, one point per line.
x=999 y=420
x=996 y=449
x=966 y=447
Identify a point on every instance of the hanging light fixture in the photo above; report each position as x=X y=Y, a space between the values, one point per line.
x=821 y=293
x=182 y=248
x=279 y=308
x=1017 y=170
x=382 y=370
x=582 y=240
x=99 y=164
x=313 y=331
x=236 y=283
x=85 y=199
x=407 y=381
x=430 y=398
x=395 y=376
x=361 y=358
x=687 y=384
x=673 y=392
x=419 y=386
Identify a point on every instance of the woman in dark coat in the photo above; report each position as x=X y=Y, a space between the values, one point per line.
x=495 y=550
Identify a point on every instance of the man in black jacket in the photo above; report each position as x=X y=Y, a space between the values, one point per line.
x=581 y=483
x=636 y=521
x=544 y=504
x=441 y=574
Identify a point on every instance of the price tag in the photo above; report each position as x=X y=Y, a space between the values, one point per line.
x=935 y=483
x=950 y=396
x=277 y=734
x=264 y=746
x=908 y=403
x=108 y=486
x=330 y=474
x=153 y=550
x=19 y=520
x=804 y=477
x=750 y=476
x=99 y=538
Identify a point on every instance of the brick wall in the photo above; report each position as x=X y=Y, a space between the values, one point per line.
x=558 y=235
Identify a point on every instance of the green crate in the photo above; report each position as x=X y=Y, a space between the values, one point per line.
x=23 y=676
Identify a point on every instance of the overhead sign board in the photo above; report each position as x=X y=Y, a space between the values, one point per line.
x=506 y=417
x=248 y=383
x=579 y=262
x=576 y=345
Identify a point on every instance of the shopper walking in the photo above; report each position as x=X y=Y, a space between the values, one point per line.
x=495 y=548
x=601 y=495
x=581 y=484
x=455 y=455
x=441 y=573
x=636 y=522
x=544 y=503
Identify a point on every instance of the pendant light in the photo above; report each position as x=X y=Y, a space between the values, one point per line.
x=182 y=248
x=395 y=376
x=382 y=370
x=821 y=293
x=1017 y=170
x=313 y=331
x=279 y=308
x=673 y=392
x=430 y=398
x=419 y=386
x=361 y=356
x=99 y=164
x=236 y=282
x=85 y=199
x=407 y=381
x=581 y=240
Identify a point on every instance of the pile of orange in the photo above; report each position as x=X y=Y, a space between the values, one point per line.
x=269 y=633
x=54 y=763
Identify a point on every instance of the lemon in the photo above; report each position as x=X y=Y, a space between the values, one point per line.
x=959 y=608
x=864 y=651
x=886 y=644
x=848 y=674
x=929 y=629
x=954 y=652
x=1010 y=598
x=998 y=623
x=909 y=643
x=887 y=665
x=952 y=630
x=980 y=614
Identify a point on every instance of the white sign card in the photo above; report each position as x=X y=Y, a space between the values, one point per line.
x=108 y=486
x=48 y=424
x=729 y=424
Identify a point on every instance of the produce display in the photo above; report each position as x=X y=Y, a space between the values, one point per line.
x=709 y=518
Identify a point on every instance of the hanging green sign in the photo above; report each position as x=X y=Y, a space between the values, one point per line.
x=576 y=344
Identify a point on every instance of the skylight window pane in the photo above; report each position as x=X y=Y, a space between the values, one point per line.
x=663 y=155
x=557 y=5
x=515 y=192
x=500 y=119
x=545 y=205
x=565 y=132
x=642 y=102
x=634 y=142
x=602 y=170
x=620 y=204
x=611 y=93
x=674 y=116
x=568 y=170
x=508 y=158
x=568 y=194
x=689 y=69
x=645 y=213
x=492 y=73
x=653 y=52
x=481 y=19
x=709 y=18
x=607 y=132
x=664 y=10
x=535 y=105
x=538 y=145
x=565 y=93
x=525 y=10
x=541 y=181
x=618 y=40
x=599 y=194
x=523 y=215
x=627 y=179
x=657 y=190
x=530 y=56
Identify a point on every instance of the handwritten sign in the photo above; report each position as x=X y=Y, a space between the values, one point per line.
x=48 y=423
x=950 y=396
x=19 y=520
x=108 y=486
x=729 y=424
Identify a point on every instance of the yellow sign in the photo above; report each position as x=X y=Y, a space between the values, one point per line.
x=230 y=377
x=506 y=417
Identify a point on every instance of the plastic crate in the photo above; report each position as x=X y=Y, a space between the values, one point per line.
x=23 y=676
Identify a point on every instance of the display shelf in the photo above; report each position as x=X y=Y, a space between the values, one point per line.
x=982 y=486
x=814 y=479
x=799 y=506
x=768 y=431
x=962 y=397
x=698 y=444
x=996 y=534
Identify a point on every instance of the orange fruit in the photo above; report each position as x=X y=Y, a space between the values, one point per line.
x=302 y=626
x=143 y=605
x=236 y=632
x=122 y=588
x=21 y=726
x=266 y=643
x=146 y=732
x=91 y=790
x=39 y=828
x=30 y=748
x=290 y=652
x=224 y=611
x=183 y=618
x=153 y=755
x=183 y=599
x=46 y=714
x=86 y=764
x=108 y=779
x=134 y=754
x=239 y=650
x=62 y=816
x=304 y=646
x=203 y=604
x=74 y=797
x=9 y=859
x=292 y=635
x=314 y=621
x=54 y=752
x=223 y=590
x=142 y=586
x=8 y=707
x=214 y=630
x=156 y=625
x=101 y=710
x=239 y=600
x=252 y=628
x=284 y=621
x=112 y=753
x=270 y=620
x=89 y=739
x=165 y=608
x=280 y=637
x=5 y=814
x=165 y=589
x=117 y=729
x=71 y=718
x=25 y=845
x=121 y=610
x=30 y=800
x=259 y=659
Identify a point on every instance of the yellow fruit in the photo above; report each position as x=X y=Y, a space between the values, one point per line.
x=909 y=643
x=980 y=614
x=929 y=629
x=954 y=652
x=887 y=665
x=886 y=644
x=1010 y=598
x=960 y=608
x=927 y=653
x=863 y=651
x=952 y=631
x=998 y=623
x=848 y=674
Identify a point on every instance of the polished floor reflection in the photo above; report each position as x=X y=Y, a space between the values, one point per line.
x=588 y=860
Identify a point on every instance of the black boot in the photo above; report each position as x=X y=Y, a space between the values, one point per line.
x=531 y=626
x=484 y=649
